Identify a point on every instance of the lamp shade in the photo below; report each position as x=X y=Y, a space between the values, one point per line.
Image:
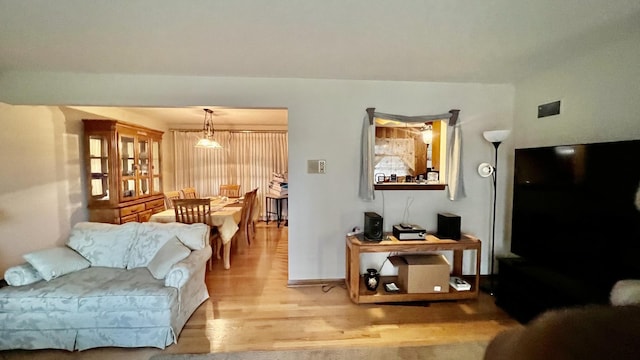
x=208 y=144
x=496 y=135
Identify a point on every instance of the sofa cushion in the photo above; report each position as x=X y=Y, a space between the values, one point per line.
x=60 y=294
x=20 y=275
x=94 y=289
x=152 y=236
x=55 y=262
x=131 y=290
x=169 y=254
x=105 y=245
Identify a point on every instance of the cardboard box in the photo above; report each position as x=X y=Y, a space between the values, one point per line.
x=423 y=273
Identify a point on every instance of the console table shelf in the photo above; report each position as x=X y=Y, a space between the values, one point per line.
x=355 y=282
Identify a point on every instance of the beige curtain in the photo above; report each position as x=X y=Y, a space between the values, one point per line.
x=247 y=158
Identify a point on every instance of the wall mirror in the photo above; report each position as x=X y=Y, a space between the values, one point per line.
x=409 y=153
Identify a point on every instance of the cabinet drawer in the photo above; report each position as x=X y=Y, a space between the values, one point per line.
x=130 y=218
x=158 y=209
x=145 y=215
x=131 y=210
x=154 y=203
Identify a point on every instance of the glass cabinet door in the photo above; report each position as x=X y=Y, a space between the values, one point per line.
x=128 y=188
x=156 y=171
x=143 y=188
x=99 y=167
x=143 y=166
x=127 y=156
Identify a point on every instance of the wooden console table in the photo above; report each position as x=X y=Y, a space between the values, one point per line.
x=355 y=282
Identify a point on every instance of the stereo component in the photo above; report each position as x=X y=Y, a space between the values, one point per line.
x=372 y=226
x=448 y=226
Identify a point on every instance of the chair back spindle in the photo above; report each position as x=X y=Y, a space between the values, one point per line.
x=190 y=211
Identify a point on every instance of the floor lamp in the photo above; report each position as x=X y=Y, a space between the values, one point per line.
x=496 y=137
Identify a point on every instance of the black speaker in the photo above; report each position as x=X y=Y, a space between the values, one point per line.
x=448 y=226
x=372 y=226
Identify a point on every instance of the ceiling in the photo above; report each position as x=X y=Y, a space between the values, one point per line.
x=223 y=118
x=492 y=41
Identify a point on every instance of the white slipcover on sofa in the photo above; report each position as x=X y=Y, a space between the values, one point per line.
x=130 y=285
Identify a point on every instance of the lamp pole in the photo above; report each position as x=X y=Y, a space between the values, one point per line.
x=494 y=175
x=495 y=137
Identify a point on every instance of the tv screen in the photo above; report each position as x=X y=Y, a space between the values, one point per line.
x=578 y=206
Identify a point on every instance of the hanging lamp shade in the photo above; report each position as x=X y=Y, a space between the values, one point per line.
x=207 y=141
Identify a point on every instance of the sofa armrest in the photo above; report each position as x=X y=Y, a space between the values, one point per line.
x=23 y=274
x=180 y=273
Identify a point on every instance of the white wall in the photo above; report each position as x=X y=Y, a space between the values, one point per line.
x=325 y=118
x=42 y=188
x=600 y=94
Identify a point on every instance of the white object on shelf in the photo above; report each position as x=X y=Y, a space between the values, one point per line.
x=459 y=283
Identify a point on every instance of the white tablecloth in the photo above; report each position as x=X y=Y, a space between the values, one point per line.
x=225 y=219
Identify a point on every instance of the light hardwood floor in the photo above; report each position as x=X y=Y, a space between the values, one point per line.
x=251 y=308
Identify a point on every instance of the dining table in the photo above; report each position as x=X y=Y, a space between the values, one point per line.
x=224 y=214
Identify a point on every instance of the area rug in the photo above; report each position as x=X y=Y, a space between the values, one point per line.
x=458 y=351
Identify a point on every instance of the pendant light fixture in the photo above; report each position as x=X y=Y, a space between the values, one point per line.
x=427 y=133
x=207 y=140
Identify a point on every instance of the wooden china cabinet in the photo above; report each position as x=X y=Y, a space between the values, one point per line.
x=124 y=171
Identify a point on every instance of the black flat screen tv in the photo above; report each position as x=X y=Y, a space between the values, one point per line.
x=577 y=207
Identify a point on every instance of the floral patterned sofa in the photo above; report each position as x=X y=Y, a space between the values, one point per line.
x=130 y=285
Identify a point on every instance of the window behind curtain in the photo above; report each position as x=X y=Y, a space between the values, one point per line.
x=247 y=158
x=394 y=156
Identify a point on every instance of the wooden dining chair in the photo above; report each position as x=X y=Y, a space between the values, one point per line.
x=169 y=196
x=244 y=230
x=253 y=217
x=229 y=190
x=189 y=193
x=191 y=211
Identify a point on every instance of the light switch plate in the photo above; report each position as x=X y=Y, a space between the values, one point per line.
x=322 y=164
x=316 y=166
